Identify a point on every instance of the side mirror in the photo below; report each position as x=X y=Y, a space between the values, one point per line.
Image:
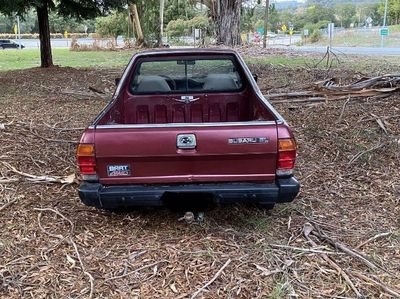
x=117 y=81
x=255 y=77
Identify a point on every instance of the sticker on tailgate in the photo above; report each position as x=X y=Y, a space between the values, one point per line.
x=118 y=170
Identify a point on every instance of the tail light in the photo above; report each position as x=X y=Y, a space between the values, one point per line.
x=286 y=156
x=86 y=157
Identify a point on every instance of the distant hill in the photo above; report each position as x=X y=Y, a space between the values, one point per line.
x=294 y=4
x=288 y=4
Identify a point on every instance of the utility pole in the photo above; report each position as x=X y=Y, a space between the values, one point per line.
x=19 y=33
x=265 y=23
x=384 y=23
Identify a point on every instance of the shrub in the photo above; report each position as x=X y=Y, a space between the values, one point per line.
x=315 y=36
x=182 y=27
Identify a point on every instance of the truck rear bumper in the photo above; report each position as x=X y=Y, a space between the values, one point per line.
x=120 y=196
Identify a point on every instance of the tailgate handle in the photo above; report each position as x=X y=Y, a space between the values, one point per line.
x=186 y=141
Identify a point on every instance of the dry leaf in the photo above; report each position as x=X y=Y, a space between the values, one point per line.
x=71 y=261
x=307 y=229
x=173 y=288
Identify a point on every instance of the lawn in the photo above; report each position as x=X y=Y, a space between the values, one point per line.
x=364 y=38
x=255 y=56
x=27 y=58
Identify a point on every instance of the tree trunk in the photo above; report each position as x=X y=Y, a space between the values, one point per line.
x=266 y=21
x=161 y=33
x=44 y=35
x=227 y=19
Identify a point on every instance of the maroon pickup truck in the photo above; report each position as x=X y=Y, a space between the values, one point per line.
x=189 y=124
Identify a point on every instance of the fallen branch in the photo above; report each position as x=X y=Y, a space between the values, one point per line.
x=378 y=236
x=135 y=271
x=358 y=155
x=310 y=250
x=212 y=280
x=384 y=287
x=307 y=229
x=67 y=240
x=70 y=179
x=91 y=279
x=343 y=109
x=346 y=250
x=7 y=204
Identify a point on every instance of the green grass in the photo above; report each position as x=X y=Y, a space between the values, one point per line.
x=352 y=38
x=28 y=58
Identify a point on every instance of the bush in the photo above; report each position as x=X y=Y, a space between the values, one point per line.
x=181 y=27
x=314 y=30
x=315 y=36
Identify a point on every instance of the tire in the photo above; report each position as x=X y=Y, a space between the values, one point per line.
x=1 y=48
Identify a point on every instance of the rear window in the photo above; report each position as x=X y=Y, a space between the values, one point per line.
x=187 y=75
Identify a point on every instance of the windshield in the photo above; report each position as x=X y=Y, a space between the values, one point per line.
x=186 y=75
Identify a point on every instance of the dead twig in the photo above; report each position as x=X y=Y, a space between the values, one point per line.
x=347 y=250
x=378 y=236
x=42 y=178
x=307 y=229
x=6 y=205
x=358 y=155
x=135 y=271
x=381 y=285
x=91 y=279
x=68 y=240
x=212 y=279
x=72 y=226
x=343 y=109
x=310 y=250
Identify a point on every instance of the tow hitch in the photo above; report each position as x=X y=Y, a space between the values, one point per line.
x=192 y=217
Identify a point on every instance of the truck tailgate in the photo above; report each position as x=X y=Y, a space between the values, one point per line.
x=156 y=155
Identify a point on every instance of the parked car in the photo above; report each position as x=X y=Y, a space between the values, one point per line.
x=190 y=123
x=9 y=44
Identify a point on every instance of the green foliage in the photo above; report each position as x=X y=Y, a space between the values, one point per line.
x=178 y=9
x=368 y=10
x=177 y=28
x=315 y=36
x=346 y=14
x=393 y=11
x=182 y=27
x=75 y=9
x=253 y=18
x=112 y=25
x=315 y=30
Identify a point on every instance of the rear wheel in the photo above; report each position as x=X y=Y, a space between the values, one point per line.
x=1 y=48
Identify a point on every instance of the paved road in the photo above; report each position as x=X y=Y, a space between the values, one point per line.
x=277 y=42
x=349 y=50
